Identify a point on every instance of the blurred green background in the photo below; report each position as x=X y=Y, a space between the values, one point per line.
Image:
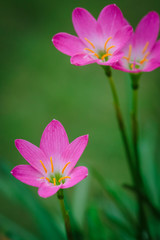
x=38 y=83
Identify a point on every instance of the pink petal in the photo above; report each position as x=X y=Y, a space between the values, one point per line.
x=47 y=190
x=152 y=65
x=120 y=67
x=147 y=31
x=111 y=20
x=121 y=37
x=32 y=154
x=82 y=59
x=27 y=174
x=85 y=25
x=77 y=175
x=155 y=52
x=73 y=152
x=68 y=44
x=54 y=139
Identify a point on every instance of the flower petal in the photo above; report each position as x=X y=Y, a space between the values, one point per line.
x=85 y=24
x=111 y=20
x=77 y=175
x=32 y=154
x=54 y=139
x=47 y=190
x=73 y=152
x=27 y=174
x=147 y=31
x=151 y=65
x=121 y=37
x=68 y=44
x=82 y=59
x=155 y=52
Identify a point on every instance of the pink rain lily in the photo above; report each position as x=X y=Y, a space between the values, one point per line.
x=142 y=52
x=99 y=41
x=52 y=166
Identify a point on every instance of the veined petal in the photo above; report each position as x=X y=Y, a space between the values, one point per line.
x=54 y=139
x=73 y=152
x=111 y=20
x=147 y=31
x=152 y=65
x=68 y=44
x=82 y=59
x=85 y=25
x=47 y=190
x=77 y=175
x=27 y=174
x=155 y=52
x=121 y=37
x=32 y=154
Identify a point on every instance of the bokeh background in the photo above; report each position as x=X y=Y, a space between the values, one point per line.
x=37 y=84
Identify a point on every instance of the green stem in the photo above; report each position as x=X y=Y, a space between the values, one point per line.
x=120 y=121
x=65 y=215
x=143 y=225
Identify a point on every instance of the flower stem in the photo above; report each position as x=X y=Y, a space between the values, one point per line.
x=143 y=225
x=65 y=214
x=120 y=121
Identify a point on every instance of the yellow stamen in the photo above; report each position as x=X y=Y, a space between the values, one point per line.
x=129 y=53
x=106 y=42
x=95 y=54
x=45 y=169
x=65 y=167
x=42 y=177
x=63 y=178
x=145 y=47
x=110 y=48
x=144 y=59
x=132 y=66
x=106 y=55
x=47 y=179
x=90 y=42
x=54 y=181
x=52 y=168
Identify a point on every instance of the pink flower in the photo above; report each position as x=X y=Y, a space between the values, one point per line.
x=98 y=41
x=52 y=166
x=142 y=52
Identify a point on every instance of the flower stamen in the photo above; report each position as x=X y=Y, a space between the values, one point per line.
x=132 y=66
x=145 y=48
x=106 y=55
x=54 y=181
x=52 y=168
x=145 y=58
x=95 y=54
x=47 y=179
x=65 y=167
x=129 y=53
x=42 y=178
x=63 y=178
x=90 y=42
x=45 y=169
x=109 y=48
x=106 y=42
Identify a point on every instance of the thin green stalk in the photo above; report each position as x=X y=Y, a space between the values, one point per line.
x=65 y=215
x=120 y=121
x=143 y=225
